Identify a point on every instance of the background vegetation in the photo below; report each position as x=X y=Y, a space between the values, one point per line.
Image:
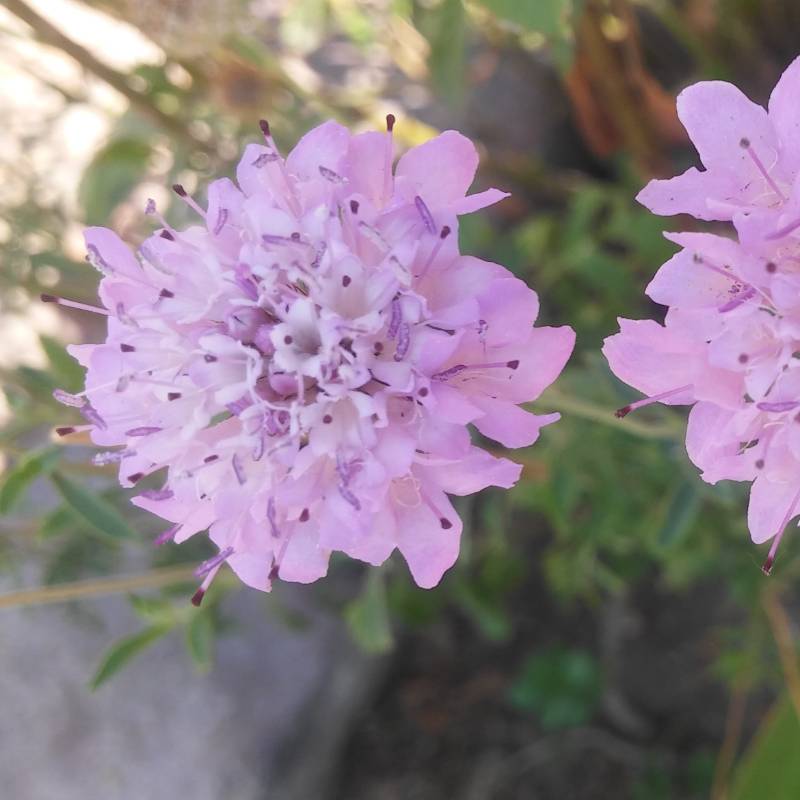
x=612 y=603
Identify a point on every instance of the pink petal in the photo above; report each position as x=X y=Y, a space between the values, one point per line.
x=440 y=170
x=428 y=540
x=509 y=424
x=475 y=202
x=717 y=116
x=784 y=113
x=324 y=146
x=474 y=472
x=653 y=359
x=770 y=503
x=304 y=560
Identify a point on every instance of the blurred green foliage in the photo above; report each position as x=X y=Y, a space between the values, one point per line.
x=604 y=505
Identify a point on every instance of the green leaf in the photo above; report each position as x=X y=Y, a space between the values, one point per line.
x=96 y=510
x=682 y=511
x=551 y=18
x=111 y=176
x=486 y=612
x=156 y=610
x=445 y=28
x=368 y=616
x=67 y=372
x=23 y=473
x=770 y=768
x=562 y=687
x=121 y=653
x=200 y=640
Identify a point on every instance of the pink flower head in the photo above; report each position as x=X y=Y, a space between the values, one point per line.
x=751 y=155
x=302 y=366
x=730 y=342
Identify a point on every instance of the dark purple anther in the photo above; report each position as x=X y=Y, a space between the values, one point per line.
x=395 y=320
x=777 y=407
x=167 y=536
x=271 y=515
x=425 y=213
x=91 y=415
x=144 y=430
x=449 y=373
x=97 y=261
x=349 y=497
x=222 y=218
x=265 y=158
x=403 y=342
x=318 y=254
x=213 y=563
x=238 y=469
x=330 y=175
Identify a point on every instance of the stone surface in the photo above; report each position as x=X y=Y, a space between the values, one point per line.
x=265 y=724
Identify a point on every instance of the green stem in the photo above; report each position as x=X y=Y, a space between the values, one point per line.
x=605 y=416
x=97 y=587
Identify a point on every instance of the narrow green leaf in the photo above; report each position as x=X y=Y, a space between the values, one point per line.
x=123 y=651
x=23 y=473
x=111 y=177
x=156 y=610
x=97 y=511
x=200 y=640
x=67 y=372
x=368 y=616
x=445 y=28
x=681 y=512
x=770 y=769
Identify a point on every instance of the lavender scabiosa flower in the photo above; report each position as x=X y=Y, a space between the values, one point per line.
x=730 y=342
x=302 y=366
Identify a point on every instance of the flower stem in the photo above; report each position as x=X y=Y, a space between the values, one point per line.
x=557 y=401
x=97 y=587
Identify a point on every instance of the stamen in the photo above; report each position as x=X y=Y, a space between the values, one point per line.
x=271 y=517
x=238 y=470
x=188 y=199
x=330 y=175
x=403 y=342
x=167 y=536
x=459 y=368
x=445 y=232
x=395 y=319
x=222 y=218
x=784 y=231
x=67 y=430
x=67 y=399
x=349 y=497
x=144 y=430
x=777 y=407
x=744 y=143
x=766 y=568
x=625 y=410
x=50 y=298
x=425 y=213
x=214 y=562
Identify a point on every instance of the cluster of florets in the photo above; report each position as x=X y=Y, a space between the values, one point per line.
x=730 y=343
x=302 y=367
